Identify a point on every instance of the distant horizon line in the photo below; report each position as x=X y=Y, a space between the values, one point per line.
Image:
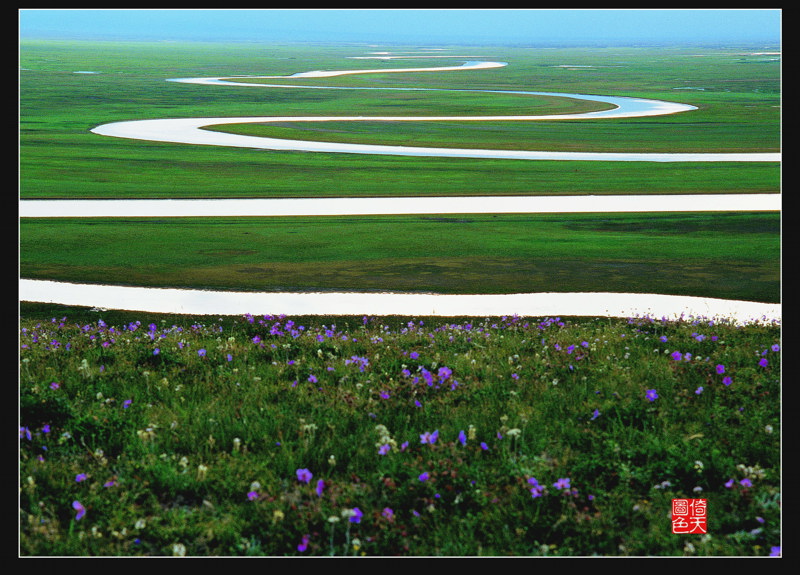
x=397 y=42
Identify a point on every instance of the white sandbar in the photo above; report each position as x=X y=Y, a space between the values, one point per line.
x=202 y=302
x=398 y=206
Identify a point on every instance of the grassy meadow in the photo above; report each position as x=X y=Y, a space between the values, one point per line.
x=267 y=435
x=738 y=97
x=147 y=435
x=737 y=93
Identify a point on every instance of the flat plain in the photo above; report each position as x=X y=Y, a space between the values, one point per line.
x=67 y=88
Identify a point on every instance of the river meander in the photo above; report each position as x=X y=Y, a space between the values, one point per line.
x=600 y=304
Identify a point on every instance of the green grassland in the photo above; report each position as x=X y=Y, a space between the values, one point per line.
x=738 y=97
x=737 y=94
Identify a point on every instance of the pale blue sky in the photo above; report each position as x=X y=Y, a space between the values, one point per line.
x=530 y=27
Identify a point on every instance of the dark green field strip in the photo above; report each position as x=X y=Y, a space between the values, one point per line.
x=716 y=255
x=757 y=281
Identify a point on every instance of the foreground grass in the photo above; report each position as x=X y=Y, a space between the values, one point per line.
x=267 y=435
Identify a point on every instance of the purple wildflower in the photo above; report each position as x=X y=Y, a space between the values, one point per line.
x=303 y=544
x=536 y=489
x=304 y=475
x=424 y=476
x=81 y=510
x=362 y=362
x=727 y=380
x=562 y=483
x=462 y=437
x=320 y=487
x=428 y=377
x=429 y=438
x=356 y=515
x=80 y=477
x=720 y=369
x=651 y=395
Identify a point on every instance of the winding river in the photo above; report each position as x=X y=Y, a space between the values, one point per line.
x=190 y=131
